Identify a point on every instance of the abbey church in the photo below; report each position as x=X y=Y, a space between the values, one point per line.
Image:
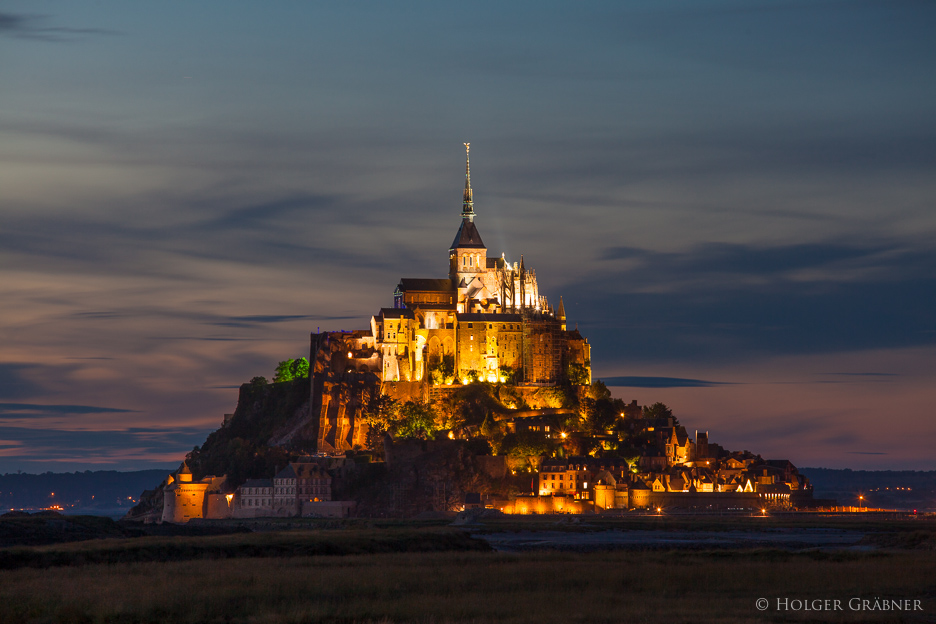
x=486 y=321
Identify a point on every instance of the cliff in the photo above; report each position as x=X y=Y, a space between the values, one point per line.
x=270 y=427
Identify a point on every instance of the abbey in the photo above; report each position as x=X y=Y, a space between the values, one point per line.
x=486 y=321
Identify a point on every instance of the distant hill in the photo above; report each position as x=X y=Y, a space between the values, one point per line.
x=99 y=492
x=886 y=489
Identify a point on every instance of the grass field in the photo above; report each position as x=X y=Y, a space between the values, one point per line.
x=234 y=578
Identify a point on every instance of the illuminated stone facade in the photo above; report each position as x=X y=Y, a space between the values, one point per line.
x=486 y=321
x=185 y=499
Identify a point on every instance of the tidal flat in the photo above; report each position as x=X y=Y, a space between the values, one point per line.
x=442 y=575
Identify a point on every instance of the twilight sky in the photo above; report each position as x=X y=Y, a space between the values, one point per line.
x=736 y=201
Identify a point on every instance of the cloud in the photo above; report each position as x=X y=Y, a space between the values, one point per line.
x=660 y=382
x=865 y=453
x=39 y=408
x=27 y=26
x=15 y=382
x=263 y=319
x=128 y=449
x=722 y=302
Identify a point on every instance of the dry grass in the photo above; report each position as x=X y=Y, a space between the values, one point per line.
x=543 y=588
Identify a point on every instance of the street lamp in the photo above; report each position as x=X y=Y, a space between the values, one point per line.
x=860 y=501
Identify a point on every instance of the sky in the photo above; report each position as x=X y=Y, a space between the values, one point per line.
x=734 y=199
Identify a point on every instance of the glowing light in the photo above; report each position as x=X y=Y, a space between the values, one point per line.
x=229 y=498
x=563 y=435
x=451 y=435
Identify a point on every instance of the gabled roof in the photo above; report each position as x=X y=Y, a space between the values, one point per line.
x=258 y=483
x=286 y=473
x=395 y=313
x=309 y=470
x=426 y=284
x=467 y=236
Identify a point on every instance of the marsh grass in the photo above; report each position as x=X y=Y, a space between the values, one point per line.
x=479 y=587
x=241 y=545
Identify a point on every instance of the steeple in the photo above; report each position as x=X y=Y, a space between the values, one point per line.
x=561 y=315
x=468 y=204
x=467 y=235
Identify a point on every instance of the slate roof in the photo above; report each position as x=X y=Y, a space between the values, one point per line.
x=467 y=236
x=484 y=317
x=258 y=483
x=426 y=284
x=395 y=313
x=286 y=473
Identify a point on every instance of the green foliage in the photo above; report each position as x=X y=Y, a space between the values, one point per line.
x=526 y=444
x=490 y=427
x=258 y=382
x=598 y=390
x=416 y=420
x=511 y=375
x=658 y=410
x=479 y=446
x=408 y=420
x=380 y=413
x=555 y=397
x=442 y=370
x=577 y=374
x=287 y=370
x=601 y=415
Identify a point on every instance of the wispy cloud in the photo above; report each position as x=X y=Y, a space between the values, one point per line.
x=661 y=382
x=30 y=26
x=41 y=408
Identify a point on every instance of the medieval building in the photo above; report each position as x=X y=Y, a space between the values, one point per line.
x=486 y=321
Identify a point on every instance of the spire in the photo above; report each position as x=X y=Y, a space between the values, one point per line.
x=560 y=313
x=468 y=204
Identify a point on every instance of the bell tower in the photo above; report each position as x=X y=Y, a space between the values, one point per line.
x=467 y=255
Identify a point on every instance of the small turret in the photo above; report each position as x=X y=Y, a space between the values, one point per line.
x=184 y=474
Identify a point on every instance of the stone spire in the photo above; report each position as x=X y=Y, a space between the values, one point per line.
x=561 y=315
x=468 y=204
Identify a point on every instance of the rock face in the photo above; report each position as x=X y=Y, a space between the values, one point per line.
x=344 y=375
x=428 y=475
x=270 y=426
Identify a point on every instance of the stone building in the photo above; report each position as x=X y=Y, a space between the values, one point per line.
x=254 y=499
x=185 y=499
x=486 y=321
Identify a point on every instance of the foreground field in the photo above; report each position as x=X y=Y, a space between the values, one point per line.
x=536 y=587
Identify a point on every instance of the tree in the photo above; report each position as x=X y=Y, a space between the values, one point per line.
x=381 y=414
x=287 y=370
x=577 y=374
x=511 y=375
x=598 y=390
x=442 y=371
x=416 y=420
x=658 y=410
